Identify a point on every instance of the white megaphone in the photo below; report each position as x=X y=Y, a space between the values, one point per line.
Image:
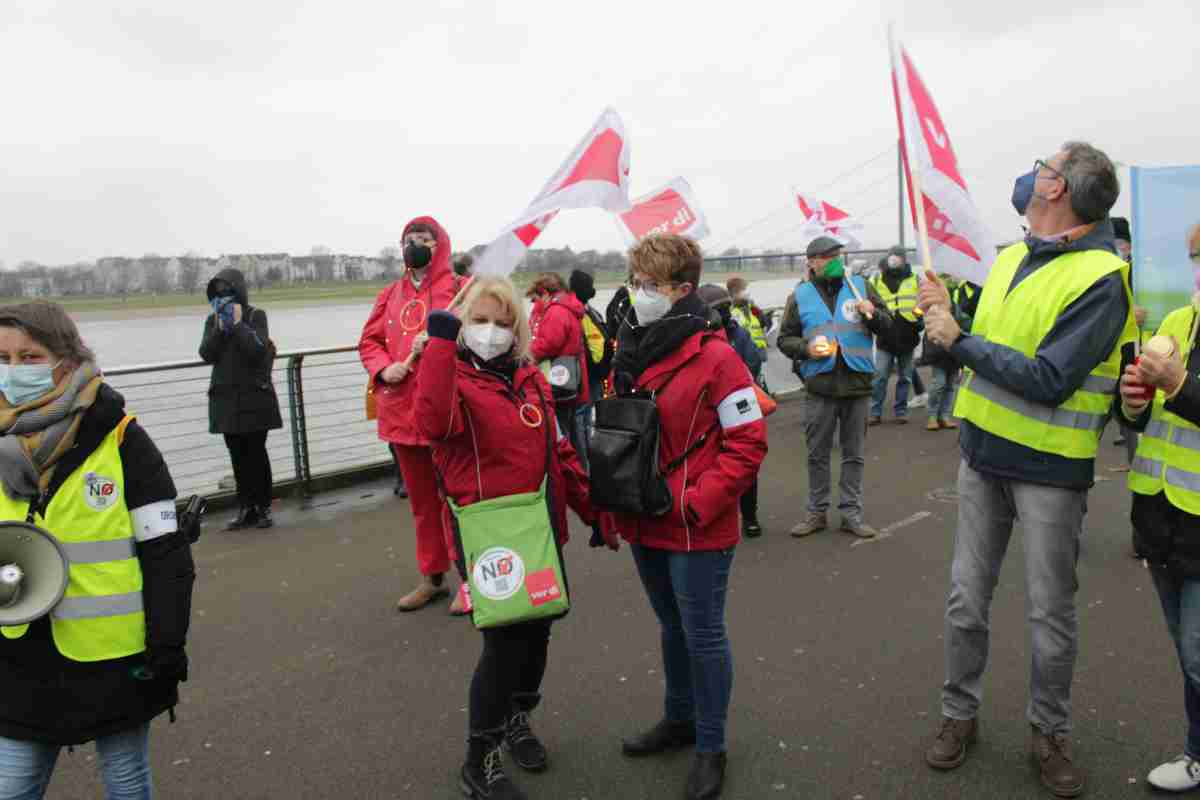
x=33 y=573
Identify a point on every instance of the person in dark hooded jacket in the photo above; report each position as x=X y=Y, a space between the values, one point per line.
x=242 y=404
x=109 y=657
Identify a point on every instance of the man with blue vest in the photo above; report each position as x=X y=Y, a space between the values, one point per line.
x=1043 y=359
x=826 y=331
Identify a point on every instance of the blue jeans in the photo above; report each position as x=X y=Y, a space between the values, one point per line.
x=687 y=592
x=884 y=362
x=26 y=767
x=1180 y=600
x=941 y=393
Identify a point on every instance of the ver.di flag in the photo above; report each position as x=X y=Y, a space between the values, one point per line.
x=826 y=219
x=959 y=241
x=595 y=175
x=668 y=209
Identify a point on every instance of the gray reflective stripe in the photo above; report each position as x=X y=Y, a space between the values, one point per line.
x=858 y=351
x=836 y=328
x=1183 y=479
x=1157 y=429
x=1146 y=466
x=111 y=605
x=1057 y=417
x=823 y=330
x=1099 y=385
x=1186 y=437
x=98 y=552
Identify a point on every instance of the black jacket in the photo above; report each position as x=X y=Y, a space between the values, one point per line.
x=241 y=395
x=841 y=381
x=1083 y=336
x=47 y=697
x=616 y=311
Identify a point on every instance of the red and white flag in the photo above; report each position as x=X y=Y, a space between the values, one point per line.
x=595 y=175
x=826 y=219
x=959 y=241
x=668 y=209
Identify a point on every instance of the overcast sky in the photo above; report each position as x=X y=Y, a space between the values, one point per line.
x=255 y=125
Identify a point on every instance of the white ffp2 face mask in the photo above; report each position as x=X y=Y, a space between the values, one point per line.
x=650 y=306
x=487 y=340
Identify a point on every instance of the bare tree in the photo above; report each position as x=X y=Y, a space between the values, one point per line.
x=319 y=250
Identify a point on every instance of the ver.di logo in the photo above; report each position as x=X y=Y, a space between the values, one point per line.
x=850 y=311
x=99 y=492
x=498 y=574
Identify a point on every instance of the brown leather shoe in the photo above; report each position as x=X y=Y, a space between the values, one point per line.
x=949 y=748
x=1053 y=756
x=425 y=593
x=814 y=522
x=948 y=424
x=873 y=421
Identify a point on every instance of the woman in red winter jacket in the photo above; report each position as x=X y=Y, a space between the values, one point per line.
x=711 y=425
x=485 y=407
x=391 y=339
x=556 y=323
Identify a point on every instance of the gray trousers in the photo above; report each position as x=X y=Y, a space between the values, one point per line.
x=848 y=417
x=1051 y=519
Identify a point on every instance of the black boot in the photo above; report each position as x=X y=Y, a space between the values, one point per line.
x=527 y=752
x=264 y=518
x=482 y=777
x=707 y=776
x=247 y=516
x=666 y=735
x=400 y=490
x=750 y=528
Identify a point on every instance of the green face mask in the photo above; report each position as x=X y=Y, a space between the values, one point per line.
x=835 y=268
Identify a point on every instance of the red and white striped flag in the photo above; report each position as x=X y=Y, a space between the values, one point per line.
x=668 y=209
x=959 y=241
x=595 y=175
x=825 y=219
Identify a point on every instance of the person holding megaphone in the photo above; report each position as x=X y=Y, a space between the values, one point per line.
x=99 y=662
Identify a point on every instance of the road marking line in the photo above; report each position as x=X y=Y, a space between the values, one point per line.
x=887 y=531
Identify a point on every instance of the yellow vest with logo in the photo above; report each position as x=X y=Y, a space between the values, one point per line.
x=903 y=301
x=594 y=339
x=101 y=617
x=1020 y=319
x=746 y=318
x=1168 y=453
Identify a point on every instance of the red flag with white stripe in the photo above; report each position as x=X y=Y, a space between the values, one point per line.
x=668 y=209
x=959 y=241
x=825 y=219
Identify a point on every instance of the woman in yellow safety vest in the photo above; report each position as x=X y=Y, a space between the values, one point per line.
x=109 y=656
x=1160 y=396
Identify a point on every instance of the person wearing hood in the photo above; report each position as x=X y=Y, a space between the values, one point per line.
x=110 y=656
x=242 y=404
x=597 y=356
x=721 y=306
x=483 y=401
x=391 y=342
x=712 y=440
x=556 y=320
x=897 y=285
x=826 y=331
x=1044 y=357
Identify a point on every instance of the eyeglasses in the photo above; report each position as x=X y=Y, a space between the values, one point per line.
x=1040 y=163
x=650 y=286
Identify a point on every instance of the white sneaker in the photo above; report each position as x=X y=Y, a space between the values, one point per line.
x=920 y=401
x=1178 y=775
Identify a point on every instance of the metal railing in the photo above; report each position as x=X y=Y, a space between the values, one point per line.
x=322 y=402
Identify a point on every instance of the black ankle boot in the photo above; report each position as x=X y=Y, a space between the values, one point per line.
x=264 y=518
x=707 y=776
x=247 y=515
x=666 y=735
x=482 y=777
x=527 y=751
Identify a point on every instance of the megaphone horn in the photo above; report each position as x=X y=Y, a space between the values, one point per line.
x=33 y=573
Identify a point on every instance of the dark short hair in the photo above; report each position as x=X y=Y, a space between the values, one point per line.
x=1091 y=179
x=49 y=325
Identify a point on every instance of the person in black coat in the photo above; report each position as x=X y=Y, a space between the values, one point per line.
x=242 y=403
x=64 y=687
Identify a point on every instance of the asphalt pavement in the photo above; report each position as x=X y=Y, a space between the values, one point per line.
x=306 y=683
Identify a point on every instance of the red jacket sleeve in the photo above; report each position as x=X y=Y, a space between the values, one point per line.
x=742 y=433
x=372 y=344
x=554 y=332
x=438 y=414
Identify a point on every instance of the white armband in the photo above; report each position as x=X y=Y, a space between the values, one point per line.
x=739 y=408
x=153 y=520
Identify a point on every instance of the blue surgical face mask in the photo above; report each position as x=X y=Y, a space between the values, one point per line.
x=22 y=383
x=1023 y=191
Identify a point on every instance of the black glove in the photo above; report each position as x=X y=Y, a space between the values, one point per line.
x=443 y=325
x=164 y=663
x=597 y=539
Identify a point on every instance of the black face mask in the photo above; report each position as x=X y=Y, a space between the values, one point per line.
x=417 y=256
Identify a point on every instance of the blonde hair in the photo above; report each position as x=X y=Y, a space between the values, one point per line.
x=503 y=292
x=668 y=258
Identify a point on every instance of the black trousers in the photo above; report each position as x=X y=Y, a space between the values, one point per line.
x=251 y=467
x=749 y=502
x=509 y=674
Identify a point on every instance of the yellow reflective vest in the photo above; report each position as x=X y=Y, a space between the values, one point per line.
x=1168 y=453
x=1020 y=319
x=903 y=301
x=746 y=318
x=594 y=339
x=101 y=617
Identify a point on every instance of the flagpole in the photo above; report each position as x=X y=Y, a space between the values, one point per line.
x=900 y=187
